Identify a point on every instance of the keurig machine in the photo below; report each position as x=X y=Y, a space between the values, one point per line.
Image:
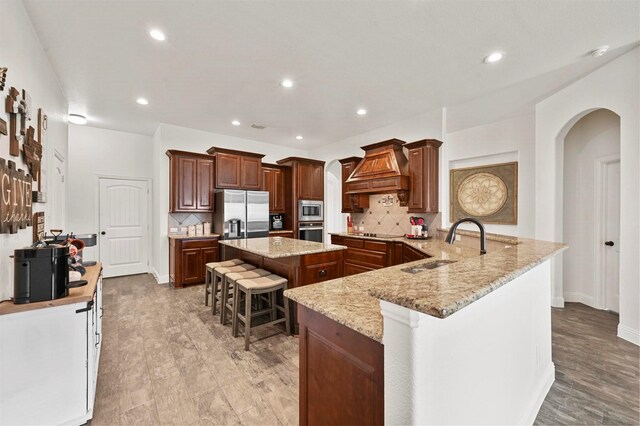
x=40 y=273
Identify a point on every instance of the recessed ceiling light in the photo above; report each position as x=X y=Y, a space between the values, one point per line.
x=142 y=101
x=235 y=122
x=157 y=35
x=599 y=51
x=299 y=137
x=361 y=111
x=494 y=57
x=286 y=83
x=77 y=119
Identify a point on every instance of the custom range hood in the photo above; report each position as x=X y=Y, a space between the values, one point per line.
x=383 y=170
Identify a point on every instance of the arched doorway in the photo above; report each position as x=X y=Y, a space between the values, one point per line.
x=591 y=210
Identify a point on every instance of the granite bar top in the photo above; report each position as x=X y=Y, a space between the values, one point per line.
x=354 y=300
x=275 y=247
x=190 y=237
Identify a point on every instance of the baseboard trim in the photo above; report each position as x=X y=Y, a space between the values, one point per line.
x=557 y=302
x=580 y=298
x=541 y=392
x=160 y=279
x=629 y=334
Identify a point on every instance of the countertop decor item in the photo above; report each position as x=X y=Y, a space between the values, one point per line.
x=38 y=226
x=489 y=193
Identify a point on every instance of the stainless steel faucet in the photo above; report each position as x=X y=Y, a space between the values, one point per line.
x=451 y=236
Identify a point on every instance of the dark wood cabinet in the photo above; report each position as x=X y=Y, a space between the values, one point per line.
x=188 y=259
x=341 y=373
x=305 y=182
x=191 y=182
x=352 y=203
x=424 y=161
x=365 y=255
x=273 y=181
x=283 y=234
x=237 y=169
x=409 y=254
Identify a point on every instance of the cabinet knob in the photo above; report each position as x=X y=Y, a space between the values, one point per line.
x=323 y=273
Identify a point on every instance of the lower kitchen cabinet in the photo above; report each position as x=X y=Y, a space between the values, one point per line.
x=365 y=255
x=188 y=259
x=49 y=359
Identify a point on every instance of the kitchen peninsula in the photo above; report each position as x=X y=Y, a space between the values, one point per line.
x=453 y=338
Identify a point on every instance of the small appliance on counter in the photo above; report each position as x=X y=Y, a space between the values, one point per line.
x=276 y=222
x=88 y=240
x=41 y=273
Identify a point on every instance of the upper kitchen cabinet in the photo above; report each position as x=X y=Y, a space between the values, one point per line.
x=307 y=176
x=423 y=175
x=237 y=169
x=273 y=181
x=191 y=181
x=352 y=203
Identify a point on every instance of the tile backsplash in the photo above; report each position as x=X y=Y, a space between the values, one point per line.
x=182 y=220
x=382 y=217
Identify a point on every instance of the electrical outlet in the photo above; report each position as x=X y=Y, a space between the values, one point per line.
x=173 y=229
x=458 y=238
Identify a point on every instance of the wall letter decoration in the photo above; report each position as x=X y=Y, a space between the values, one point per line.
x=15 y=107
x=15 y=198
x=3 y=77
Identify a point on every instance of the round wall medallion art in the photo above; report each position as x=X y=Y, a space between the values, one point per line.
x=482 y=194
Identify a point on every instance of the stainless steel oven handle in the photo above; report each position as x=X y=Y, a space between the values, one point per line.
x=311 y=228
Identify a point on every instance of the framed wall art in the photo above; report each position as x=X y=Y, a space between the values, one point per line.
x=488 y=193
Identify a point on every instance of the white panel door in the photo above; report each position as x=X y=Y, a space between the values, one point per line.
x=124 y=227
x=612 y=237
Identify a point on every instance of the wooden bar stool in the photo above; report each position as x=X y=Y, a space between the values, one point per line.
x=226 y=304
x=208 y=277
x=219 y=274
x=257 y=286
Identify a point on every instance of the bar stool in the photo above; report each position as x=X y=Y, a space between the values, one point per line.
x=257 y=286
x=226 y=304
x=219 y=274
x=208 y=277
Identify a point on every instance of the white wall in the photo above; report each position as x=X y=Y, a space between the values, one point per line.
x=508 y=140
x=616 y=87
x=595 y=136
x=174 y=137
x=97 y=152
x=29 y=68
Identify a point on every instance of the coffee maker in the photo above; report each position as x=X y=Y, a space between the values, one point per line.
x=40 y=273
x=276 y=222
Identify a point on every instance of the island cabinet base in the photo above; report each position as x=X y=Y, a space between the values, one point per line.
x=341 y=373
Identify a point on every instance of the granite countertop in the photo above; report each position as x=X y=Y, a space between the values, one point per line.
x=174 y=236
x=354 y=300
x=275 y=247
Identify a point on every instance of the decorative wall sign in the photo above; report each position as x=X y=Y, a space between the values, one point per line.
x=14 y=106
x=32 y=153
x=25 y=109
x=15 y=198
x=3 y=127
x=488 y=193
x=3 y=78
x=42 y=131
x=38 y=226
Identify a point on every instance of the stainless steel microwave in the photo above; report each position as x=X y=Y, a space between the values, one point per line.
x=310 y=210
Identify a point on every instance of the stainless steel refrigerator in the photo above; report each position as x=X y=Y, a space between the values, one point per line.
x=241 y=214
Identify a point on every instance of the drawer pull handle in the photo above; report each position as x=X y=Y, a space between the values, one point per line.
x=323 y=273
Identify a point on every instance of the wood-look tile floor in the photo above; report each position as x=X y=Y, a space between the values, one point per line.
x=597 y=377
x=166 y=360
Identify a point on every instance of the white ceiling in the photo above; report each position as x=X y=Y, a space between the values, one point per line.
x=224 y=60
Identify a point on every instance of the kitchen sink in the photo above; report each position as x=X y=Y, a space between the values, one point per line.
x=426 y=266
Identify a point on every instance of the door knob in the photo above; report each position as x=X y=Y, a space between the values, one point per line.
x=609 y=243
x=103 y=233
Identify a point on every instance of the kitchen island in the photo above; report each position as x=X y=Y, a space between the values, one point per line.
x=301 y=262
x=468 y=341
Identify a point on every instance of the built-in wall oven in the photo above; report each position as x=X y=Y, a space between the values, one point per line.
x=309 y=210
x=311 y=231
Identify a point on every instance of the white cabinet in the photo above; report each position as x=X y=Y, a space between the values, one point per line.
x=49 y=363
